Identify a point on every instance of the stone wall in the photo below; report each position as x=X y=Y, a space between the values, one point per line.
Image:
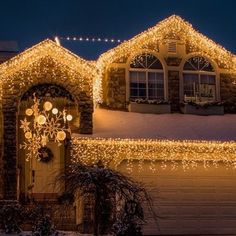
x=173 y=89
x=1 y=157
x=114 y=87
x=228 y=92
x=86 y=113
x=9 y=150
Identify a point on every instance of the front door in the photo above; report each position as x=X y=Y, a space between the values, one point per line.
x=44 y=173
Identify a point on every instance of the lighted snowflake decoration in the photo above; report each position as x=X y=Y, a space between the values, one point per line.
x=48 y=125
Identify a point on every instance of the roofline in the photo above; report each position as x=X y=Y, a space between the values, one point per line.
x=47 y=42
x=172 y=17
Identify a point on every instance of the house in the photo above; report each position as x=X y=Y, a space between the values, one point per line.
x=160 y=106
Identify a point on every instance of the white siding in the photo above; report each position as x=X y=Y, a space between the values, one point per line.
x=196 y=201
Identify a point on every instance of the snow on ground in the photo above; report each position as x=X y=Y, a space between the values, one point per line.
x=118 y=124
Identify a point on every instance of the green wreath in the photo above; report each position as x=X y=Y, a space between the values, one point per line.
x=45 y=154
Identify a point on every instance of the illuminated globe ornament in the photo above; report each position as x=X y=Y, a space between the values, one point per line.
x=41 y=119
x=61 y=135
x=29 y=112
x=54 y=111
x=69 y=117
x=47 y=106
x=28 y=135
x=43 y=128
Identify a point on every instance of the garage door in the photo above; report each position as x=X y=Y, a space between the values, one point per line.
x=199 y=202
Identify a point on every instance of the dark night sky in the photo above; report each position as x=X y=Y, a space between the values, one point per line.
x=30 y=21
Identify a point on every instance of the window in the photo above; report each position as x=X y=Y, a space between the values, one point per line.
x=199 y=80
x=146 y=78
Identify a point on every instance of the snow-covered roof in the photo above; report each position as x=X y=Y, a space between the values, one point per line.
x=118 y=124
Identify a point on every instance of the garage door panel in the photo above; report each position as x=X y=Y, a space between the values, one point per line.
x=196 y=201
x=227 y=210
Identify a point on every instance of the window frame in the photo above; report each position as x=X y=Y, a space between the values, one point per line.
x=199 y=73
x=146 y=71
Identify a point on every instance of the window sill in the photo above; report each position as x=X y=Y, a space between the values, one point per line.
x=149 y=108
x=204 y=111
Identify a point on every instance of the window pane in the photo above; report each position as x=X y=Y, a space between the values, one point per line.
x=142 y=93
x=207 y=88
x=207 y=79
x=156 y=64
x=151 y=77
x=191 y=86
x=133 y=76
x=133 y=85
x=137 y=85
x=146 y=60
x=133 y=93
x=198 y=64
x=204 y=79
x=155 y=85
x=138 y=62
x=188 y=66
x=212 y=79
x=141 y=77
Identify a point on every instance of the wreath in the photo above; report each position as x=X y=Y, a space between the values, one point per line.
x=45 y=154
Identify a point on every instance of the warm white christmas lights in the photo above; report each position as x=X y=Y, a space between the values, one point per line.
x=88 y=39
x=186 y=153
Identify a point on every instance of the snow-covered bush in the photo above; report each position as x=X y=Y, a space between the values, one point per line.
x=43 y=227
x=12 y=216
x=42 y=224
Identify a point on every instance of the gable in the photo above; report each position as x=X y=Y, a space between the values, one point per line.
x=177 y=28
x=49 y=49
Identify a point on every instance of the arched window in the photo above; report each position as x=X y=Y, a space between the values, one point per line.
x=146 y=78
x=199 y=80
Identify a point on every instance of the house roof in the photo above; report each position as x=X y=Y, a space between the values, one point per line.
x=118 y=124
x=44 y=49
x=173 y=26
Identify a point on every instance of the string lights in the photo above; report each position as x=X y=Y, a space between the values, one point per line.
x=89 y=39
x=189 y=153
x=46 y=58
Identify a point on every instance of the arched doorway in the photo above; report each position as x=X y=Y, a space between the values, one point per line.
x=36 y=179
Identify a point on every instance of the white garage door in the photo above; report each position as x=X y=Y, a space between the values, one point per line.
x=199 y=202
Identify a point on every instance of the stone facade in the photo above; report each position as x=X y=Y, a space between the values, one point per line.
x=228 y=92
x=173 y=90
x=114 y=87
